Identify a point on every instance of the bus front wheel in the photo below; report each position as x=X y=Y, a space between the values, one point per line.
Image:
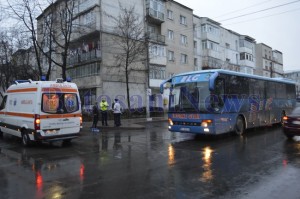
x=239 y=126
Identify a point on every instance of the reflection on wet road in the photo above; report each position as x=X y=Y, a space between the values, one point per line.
x=153 y=163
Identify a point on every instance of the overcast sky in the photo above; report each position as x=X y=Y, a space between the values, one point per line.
x=278 y=26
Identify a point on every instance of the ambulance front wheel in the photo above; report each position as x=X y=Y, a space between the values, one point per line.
x=25 y=139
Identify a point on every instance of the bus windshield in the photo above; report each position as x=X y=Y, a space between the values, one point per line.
x=60 y=103
x=189 y=97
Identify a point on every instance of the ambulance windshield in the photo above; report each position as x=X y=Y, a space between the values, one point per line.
x=60 y=103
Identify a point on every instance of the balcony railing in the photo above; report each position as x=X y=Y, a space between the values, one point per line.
x=84 y=57
x=157 y=38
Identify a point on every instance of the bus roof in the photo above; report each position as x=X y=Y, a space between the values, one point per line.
x=228 y=72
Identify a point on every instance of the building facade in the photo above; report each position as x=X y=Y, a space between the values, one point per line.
x=269 y=62
x=177 y=41
x=295 y=76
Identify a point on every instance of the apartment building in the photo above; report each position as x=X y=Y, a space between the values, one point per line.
x=247 y=54
x=217 y=47
x=277 y=70
x=269 y=62
x=295 y=76
x=91 y=62
x=177 y=41
x=178 y=29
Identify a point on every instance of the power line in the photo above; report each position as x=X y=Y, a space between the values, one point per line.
x=260 y=11
x=245 y=8
x=263 y=17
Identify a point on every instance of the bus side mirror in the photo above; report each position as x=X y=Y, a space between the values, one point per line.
x=212 y=81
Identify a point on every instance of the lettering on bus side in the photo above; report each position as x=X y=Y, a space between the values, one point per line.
x=190 y=78
x=185 y=116
x=194 y=116
x=179 y=116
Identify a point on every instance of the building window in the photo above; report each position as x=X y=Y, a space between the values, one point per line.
x=195 y=62
x=246 y=56
x=170 y=34
x=84 y=71
x=183 y=39
x=183 y=20
x=151 y=29
x=171 y=55
x=157 y=50
x=195 y=44
x=157 y=8
x=170 y=14
x=247 y=44
x=207 y=28
x=227 y=45
x=89 y=18
x=157 y=72
x=206 y=44
x=183 y=59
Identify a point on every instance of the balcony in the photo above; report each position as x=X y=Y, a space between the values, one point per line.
x=211 y=63
x=76 y=59
x=154 y=16
x=156 y=38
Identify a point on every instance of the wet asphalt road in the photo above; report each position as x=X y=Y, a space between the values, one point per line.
x=153 y=163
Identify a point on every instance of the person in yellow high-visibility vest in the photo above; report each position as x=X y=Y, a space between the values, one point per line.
x=103 y=108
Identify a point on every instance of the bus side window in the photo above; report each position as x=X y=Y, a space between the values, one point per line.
x=2 y=106
x=219 y=92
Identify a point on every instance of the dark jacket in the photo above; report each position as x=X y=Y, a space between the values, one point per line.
x=95 y=111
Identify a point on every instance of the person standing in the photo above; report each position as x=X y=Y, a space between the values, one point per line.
x=117 y=113
x=95 y=115
x=103 y=107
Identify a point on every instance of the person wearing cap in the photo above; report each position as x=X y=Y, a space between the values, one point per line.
x=103 y=107
x=117 y=113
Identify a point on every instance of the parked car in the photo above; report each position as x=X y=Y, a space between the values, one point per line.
x=291 y=123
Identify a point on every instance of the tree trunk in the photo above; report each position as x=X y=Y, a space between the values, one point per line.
x=127 y=88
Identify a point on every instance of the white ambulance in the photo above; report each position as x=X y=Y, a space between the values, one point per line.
x=41 y=111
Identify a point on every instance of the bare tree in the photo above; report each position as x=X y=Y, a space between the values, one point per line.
x=55 y=34
x=26 y=12
x=15 y=64
x=130 y=42
x=6 y=73
x=60 y=28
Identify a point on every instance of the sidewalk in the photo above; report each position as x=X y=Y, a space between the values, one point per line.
x=128 y=124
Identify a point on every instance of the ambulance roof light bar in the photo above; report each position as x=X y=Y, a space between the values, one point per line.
x=22 y=81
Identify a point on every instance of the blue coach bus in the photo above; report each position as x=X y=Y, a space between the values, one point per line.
x=219 y=101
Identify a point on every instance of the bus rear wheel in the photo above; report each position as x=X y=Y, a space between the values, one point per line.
x=239 y=126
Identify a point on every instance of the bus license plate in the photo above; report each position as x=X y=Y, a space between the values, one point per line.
x=185 y=129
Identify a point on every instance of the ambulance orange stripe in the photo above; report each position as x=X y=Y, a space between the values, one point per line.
x=22 y=90
x=20 y=114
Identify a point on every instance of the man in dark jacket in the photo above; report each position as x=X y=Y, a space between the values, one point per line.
x=95 y=116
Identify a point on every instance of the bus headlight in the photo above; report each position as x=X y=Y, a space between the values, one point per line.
x=206 y=123
x=170 y=122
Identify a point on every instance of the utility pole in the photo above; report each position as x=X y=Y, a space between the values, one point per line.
x=148 y=89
